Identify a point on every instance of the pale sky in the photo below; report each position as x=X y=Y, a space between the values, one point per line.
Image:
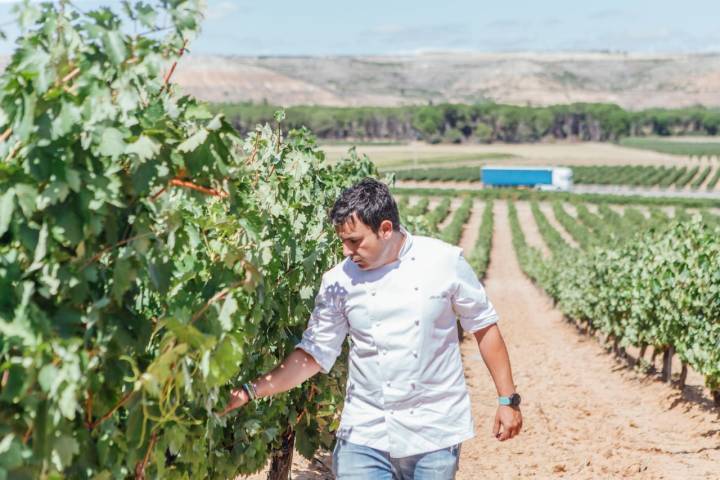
x=351 y=27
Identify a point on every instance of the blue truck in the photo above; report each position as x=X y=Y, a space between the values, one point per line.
x=542 y=178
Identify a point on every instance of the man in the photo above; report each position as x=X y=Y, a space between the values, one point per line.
x=407 y=409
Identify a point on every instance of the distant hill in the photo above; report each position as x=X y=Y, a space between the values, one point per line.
x=632 y=81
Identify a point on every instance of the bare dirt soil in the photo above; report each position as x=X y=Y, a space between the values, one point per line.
x=434 y=202
x=471 y=229
x=530 y=228
x=708 y=179
x=454 y=205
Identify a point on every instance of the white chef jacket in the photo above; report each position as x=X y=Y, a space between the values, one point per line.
x=406 y=390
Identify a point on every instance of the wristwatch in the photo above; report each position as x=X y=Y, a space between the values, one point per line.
x=513 y=400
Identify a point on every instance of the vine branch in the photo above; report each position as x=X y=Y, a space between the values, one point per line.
x=166 y=79
x=255 y=148
x=218 y=296
x=88 y=409
x=105 y=250
x=209 y=191
x=27 y=434
x=179 y=182
x=112 y=411
x=70 y=75
x=6 y=134
x=313 y=389
x=140 y=468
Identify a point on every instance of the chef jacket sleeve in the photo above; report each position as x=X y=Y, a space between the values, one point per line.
x=470 y=302
x=327 y=327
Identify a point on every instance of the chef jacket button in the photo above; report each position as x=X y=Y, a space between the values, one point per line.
x=387 y=383
x=417 y=288
x=415 y=353
x=372 y=293
x=417 y=322
x=392 y=412
x=377 y=324
x=412 y=258
x=384 y=352
x=411 y=412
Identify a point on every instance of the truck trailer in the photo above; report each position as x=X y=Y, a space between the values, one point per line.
x=542 y=178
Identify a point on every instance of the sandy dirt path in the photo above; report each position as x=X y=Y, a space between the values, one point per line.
x=585 y=415
x=547 y=209
x=592 y=208
x=471 y=229
x=530 y=228
x=714 y=167
x=620 y=209
x=570 y=209
x=413 y=200
x=454 y=205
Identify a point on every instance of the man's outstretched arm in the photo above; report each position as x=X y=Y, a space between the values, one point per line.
x=495 y=355
x=294 y=370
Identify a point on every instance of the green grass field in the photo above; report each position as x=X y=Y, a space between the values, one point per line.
x=688 y=148
x=439 y=160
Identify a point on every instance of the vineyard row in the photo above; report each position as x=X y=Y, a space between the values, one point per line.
x=630 y=175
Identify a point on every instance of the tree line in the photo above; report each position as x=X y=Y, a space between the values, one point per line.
x=481 y=123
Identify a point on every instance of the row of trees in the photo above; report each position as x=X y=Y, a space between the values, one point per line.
x=482 y=123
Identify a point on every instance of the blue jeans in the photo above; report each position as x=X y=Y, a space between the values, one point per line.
x=358 y=462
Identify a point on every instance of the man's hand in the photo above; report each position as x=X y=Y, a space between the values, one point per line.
x=295 y=369
x=238 y=398
x=510 y=419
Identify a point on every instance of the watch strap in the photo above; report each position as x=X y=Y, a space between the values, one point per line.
x=510 y=400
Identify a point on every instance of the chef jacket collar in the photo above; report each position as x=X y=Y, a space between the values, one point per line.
x=407 y=244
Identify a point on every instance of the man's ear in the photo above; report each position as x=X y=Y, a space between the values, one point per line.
x=386 y=229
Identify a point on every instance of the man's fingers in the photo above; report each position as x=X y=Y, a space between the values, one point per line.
x=229 y=408
x=508 y=432
x=235 y=402
x=515 y=430
x=506 y=427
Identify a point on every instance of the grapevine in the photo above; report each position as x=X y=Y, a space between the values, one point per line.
x=150 y=259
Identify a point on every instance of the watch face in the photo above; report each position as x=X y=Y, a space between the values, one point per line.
x=515 y=399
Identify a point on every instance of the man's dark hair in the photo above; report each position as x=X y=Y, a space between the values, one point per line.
x=370 y=200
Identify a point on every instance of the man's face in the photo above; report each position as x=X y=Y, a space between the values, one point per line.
x=363 y=246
